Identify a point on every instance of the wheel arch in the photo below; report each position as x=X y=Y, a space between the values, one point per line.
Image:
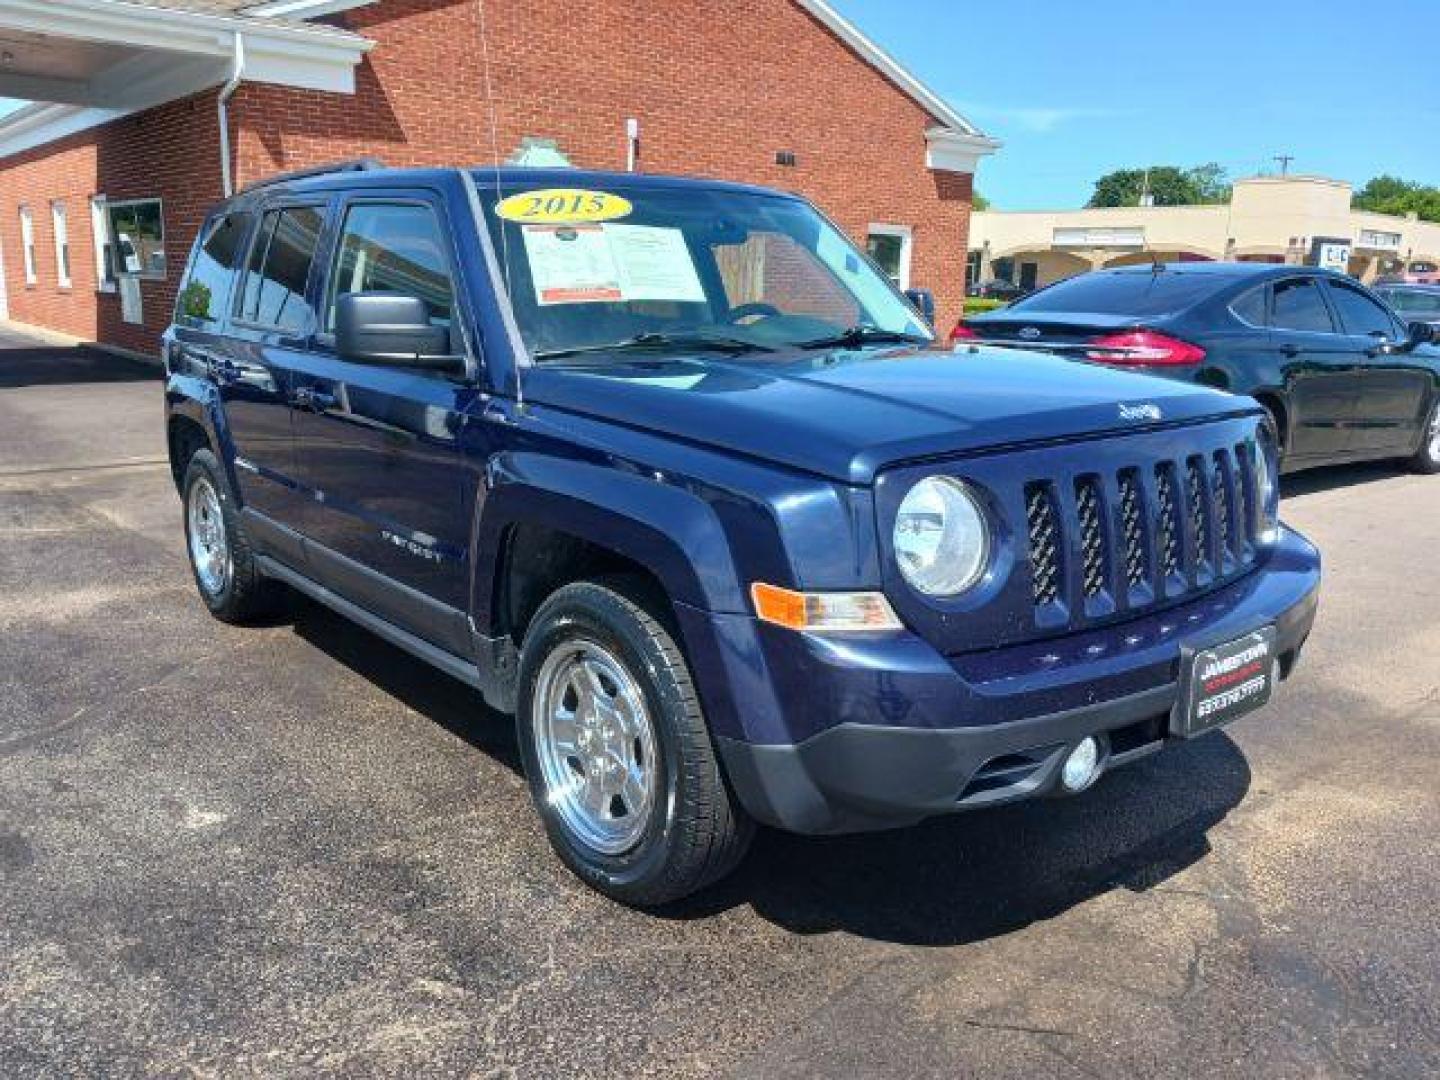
x=551 y=519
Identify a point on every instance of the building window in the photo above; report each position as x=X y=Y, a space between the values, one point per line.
x=100 y=231
x=27 y=244
x=972 y=268
x=889 y=246
x=137 y=231
x=62 y=243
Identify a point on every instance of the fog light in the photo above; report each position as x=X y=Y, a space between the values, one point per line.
x=1082 y=766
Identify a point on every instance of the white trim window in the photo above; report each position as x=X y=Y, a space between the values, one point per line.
x=62 y=243
x=891 y=247
x=100 y=233
x=27 y=244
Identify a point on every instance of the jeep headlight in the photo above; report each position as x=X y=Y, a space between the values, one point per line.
x=1267 y=490
x=942 y=540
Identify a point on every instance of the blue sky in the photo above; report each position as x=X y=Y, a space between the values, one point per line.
x=1076 y=89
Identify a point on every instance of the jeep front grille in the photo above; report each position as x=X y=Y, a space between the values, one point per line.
x=1143 y=534
x=1132 y=530
x=1044 y=523
x=1092 y=536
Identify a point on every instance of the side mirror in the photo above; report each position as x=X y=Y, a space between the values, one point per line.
x=1421 y=333
x=392 y=330
x=924 y=302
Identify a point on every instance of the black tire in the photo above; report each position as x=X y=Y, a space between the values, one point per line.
x=696 y=833
x=246 y=594
x=1427 y=458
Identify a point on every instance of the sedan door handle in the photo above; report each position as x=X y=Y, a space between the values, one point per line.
x=309 y=399
x=1291 y=351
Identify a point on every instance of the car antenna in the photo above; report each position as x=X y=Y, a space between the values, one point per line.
x=495 y=164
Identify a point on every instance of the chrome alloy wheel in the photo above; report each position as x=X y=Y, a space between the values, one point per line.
x=1435 y=433
x=595 y=744
x=209 y=546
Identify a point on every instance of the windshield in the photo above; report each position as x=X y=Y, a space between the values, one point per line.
x=1146 y=295
x=639 y=266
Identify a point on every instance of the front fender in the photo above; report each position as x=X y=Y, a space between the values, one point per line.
x=658 y=524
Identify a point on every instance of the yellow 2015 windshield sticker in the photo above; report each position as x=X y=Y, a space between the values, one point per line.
x=563 y=206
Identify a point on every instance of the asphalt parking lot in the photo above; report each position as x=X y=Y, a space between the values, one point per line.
x=294 y=849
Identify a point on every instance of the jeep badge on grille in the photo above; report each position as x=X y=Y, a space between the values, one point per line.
x=1148 y=411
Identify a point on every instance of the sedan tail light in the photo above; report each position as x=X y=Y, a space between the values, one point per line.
x=962 y=333
x=1144 y=348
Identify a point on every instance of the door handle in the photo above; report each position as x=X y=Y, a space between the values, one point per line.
x=1291 y=351
x=308 y=399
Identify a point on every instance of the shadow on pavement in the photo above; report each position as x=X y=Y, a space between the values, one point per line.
x=961 y=879
x=449 y=703
x=50 y=365
x=944 y=882
x=1334 y=477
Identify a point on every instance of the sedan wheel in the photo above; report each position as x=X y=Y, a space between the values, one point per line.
x=1427 y=460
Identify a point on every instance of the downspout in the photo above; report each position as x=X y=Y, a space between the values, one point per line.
x=237 y=72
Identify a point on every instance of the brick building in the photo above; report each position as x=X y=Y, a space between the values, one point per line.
x=105 y=178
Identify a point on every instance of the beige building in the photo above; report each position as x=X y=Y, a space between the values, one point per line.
x=1283 y=219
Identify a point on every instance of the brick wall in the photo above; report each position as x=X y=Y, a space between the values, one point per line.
x=169 y=152
x=716 y=95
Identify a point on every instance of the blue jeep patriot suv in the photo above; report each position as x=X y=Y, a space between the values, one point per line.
x=666 y=469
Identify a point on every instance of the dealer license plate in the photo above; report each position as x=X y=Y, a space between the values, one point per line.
x=1226 y=681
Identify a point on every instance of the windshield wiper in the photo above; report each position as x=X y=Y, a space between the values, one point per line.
x=864 y=335
x=702 y=342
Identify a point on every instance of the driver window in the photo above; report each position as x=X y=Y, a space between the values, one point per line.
x=393 y=247
x=771 y=269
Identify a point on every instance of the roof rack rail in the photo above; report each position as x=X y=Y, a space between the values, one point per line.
x=352 y=165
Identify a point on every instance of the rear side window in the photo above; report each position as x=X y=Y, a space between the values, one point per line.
x=1298 y=305
x=1360 y=315
x=218 y=255
x=280 y=258
x=1251 y=307
x=393 y=247
x=1146 y=294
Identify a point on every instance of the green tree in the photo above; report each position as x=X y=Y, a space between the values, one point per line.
x=1168 y=184
x=978 y=201
x=1391 y=195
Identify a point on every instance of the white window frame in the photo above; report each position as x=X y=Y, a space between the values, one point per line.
x=100 y=232
x=906 y=235
x=60 y=225
x=27 y=244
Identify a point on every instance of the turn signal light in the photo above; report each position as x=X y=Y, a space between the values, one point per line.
x=1144 y=348
x=824 y=611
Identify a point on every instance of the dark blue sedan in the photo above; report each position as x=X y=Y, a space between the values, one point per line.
x=1343 y=376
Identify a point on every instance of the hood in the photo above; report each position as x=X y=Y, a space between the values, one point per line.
x=846 y=415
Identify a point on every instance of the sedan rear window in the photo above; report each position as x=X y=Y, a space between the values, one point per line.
x=1147 y=295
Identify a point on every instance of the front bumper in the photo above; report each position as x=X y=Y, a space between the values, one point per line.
x=846 y=736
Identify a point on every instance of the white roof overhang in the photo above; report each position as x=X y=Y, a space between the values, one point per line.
x=82 y=62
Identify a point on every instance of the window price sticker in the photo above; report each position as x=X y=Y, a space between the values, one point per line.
x=609 y=263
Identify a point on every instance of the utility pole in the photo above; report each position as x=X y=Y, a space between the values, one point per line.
x=1146 y=199
x=1284 y=160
